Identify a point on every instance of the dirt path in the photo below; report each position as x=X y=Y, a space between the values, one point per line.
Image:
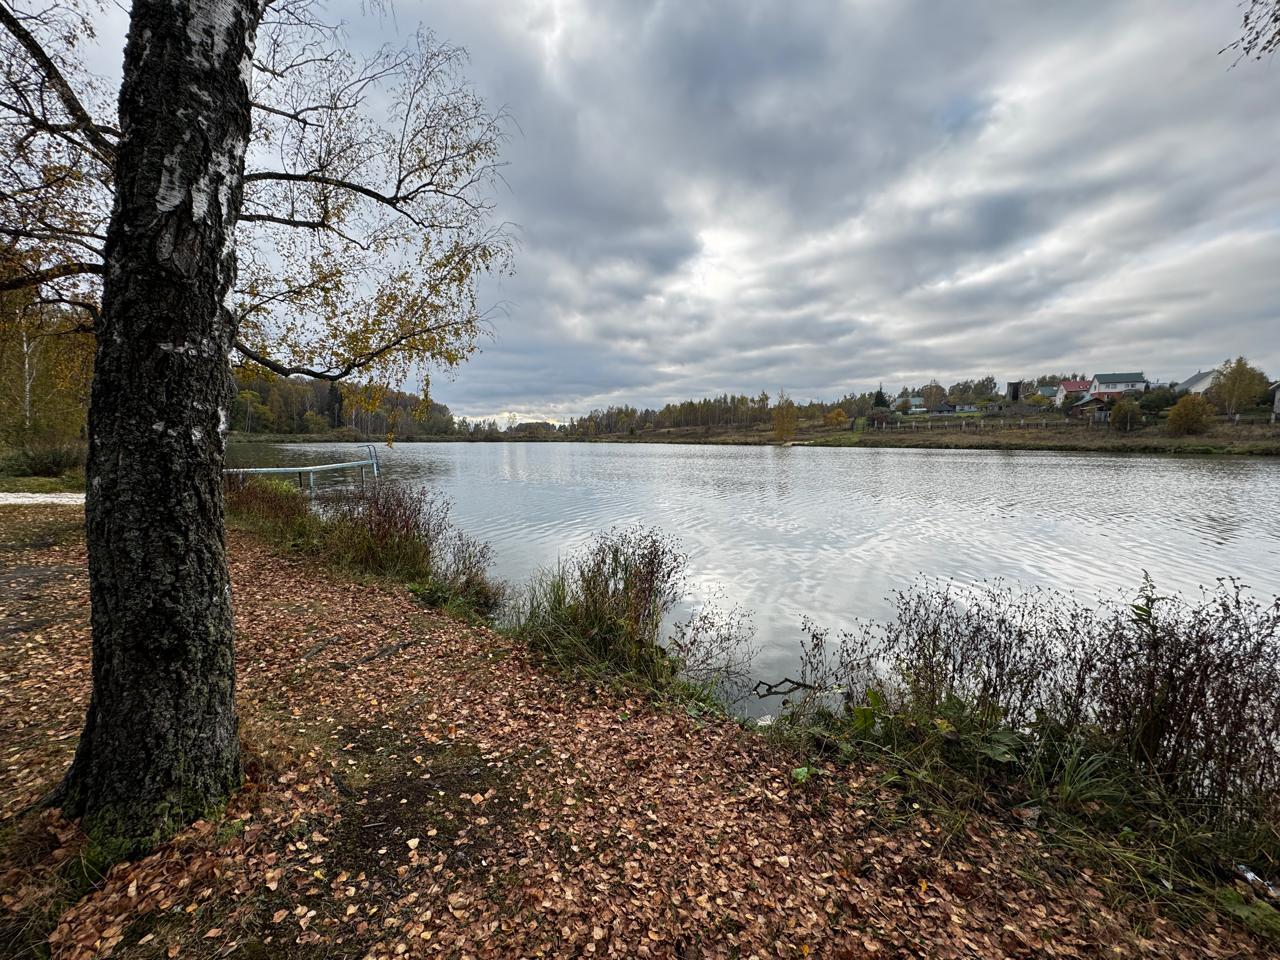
x=417 y=787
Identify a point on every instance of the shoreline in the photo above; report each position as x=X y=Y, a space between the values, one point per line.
x=1148 y=443
x=1261 y=443
x=1153 y=444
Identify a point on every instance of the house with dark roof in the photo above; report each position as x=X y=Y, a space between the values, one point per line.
x=1068 y=387
x=1197 y=383
x=1112 y=386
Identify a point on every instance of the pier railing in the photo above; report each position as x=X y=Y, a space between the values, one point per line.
x=307 y=475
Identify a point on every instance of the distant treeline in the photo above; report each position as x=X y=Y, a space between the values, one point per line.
x=268 y=404
x=741 y=411
x=46 y=363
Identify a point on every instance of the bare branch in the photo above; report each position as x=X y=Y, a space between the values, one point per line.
x=1260 y=30
x=356 y=363
x=282 y=176
x=78 y=237
x=325 y=225
x=97 y=135
x=88 y=306
x=58 y=272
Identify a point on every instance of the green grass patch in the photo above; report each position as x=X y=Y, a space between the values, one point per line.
x=68 y=483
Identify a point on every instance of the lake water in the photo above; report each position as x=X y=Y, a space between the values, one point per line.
x=791 y=531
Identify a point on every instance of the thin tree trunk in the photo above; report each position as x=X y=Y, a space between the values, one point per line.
x=28 y=377
x=160 y=745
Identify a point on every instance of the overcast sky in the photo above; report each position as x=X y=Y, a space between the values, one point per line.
x=820 y=196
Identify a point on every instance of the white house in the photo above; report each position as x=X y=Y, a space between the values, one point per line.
x=1197 y=383
x=1110 y=385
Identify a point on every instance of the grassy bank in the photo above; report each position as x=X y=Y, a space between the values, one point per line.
x=384 y=531
x=1242 y=441
x=1247 y=440
x=67 y=483
x=675 y=435
x=603 y=612
x=342 y=435
x=1143 y=735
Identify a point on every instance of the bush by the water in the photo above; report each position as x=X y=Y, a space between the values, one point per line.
x=44 y=460
x=385 y=530
x=1191 y=415
x=604 y=611
x=1155 y=723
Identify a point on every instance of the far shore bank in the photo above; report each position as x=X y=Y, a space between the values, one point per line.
x=1250 y=441
x=1249 y=444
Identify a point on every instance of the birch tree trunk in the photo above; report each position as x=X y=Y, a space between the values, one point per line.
x=160 y=745
x=28 y=378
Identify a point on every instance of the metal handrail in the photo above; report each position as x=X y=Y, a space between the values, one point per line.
x=310 y=472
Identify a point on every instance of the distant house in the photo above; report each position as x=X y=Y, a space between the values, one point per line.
x=1047 y=392
x=1197 y=383
x=1112 y=386
x=942 y=408
x=1068 y=387
x=966 y=408
x=917 y=404
x=1093 y=406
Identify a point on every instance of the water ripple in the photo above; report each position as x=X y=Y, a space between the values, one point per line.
x=830 y=533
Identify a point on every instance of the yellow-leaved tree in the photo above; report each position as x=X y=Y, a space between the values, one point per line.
x=786 y=418
x=1191 y=415
x=1237 y=385
x=367 y=214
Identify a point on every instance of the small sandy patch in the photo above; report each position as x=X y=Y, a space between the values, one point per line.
x=32 y=499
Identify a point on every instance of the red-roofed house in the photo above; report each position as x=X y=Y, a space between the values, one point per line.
x=1067 y=387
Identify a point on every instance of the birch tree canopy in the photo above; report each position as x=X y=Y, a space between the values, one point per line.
x=368 y=213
